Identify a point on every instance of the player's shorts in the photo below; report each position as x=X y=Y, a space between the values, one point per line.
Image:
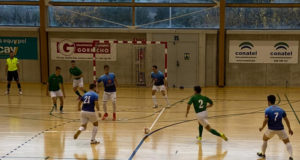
x=86 y=117
x=159 y=88
x=202 y=118
x=56 y=94
x=109 y=96
x=280 y=133
x=78 y=82
x=12 y=75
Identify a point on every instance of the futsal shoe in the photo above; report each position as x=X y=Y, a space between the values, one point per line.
x=224 y=137
x=259 y=154
x=291 y=158
x=168 y=106
x=114 y=116
x=6 y=93
x=105 y=116
x=155 y=106
x=61 y=111
x=199 y=138
x=77 y=134
x=93 y=141
x=20 y=92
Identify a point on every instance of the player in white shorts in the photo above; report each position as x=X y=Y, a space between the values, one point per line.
x=273 y=117
x=56 y=88
x=88 y=114
x=110 y=92
x=76 y=73
x=159 y=84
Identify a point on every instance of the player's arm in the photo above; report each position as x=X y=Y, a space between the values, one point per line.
x=265 y=122
x=210 y=103
x=166 y=82
x=18 y=66
x=187 y=110
x=116 y=82
x=98 y=108
x=288 y=125
x=79 y=105
x=6 y=69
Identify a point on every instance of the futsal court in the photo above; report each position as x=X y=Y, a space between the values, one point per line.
x=29 y=132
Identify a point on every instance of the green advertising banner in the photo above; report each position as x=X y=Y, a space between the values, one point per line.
x=23 y=47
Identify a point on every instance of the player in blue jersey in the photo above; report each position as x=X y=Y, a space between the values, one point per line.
x=110 y=84
x=159 y=84
x=273 y=117
x=90 y=101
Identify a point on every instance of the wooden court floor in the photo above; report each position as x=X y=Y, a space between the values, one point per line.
x=28 y=132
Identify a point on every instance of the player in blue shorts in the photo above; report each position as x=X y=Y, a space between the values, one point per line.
x=90 y=101
x=110 y=92
x=159 y=84
x=273 y=117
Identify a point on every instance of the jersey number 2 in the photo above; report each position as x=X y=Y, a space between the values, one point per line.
x=276 y=115
x=201 y=105
x=87 y=100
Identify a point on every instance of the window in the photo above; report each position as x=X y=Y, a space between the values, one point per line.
x=89 y=17
x=263 y=1
x=177 y=17
x=91 y=0
x=175 y=1
x=262 y=18
x=19 y=15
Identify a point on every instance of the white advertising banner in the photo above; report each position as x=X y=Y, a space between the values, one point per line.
x=82 y=49
x=263 y=51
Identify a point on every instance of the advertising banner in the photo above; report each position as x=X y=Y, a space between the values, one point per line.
x=263 y=51
x=82 y=49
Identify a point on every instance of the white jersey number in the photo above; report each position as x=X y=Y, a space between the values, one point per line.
x=276 y=115
x=201 y=104
x=87 y=100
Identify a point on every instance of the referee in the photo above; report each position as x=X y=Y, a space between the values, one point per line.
x=12 y=72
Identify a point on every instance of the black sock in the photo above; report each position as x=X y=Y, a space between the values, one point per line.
x=61 y=108
x=19 y=86
x=78 y=94
x=8 y=87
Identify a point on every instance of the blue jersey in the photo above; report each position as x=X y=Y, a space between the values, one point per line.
x=108 y=81
x=158 y=78
x=275 y=115
x=88 y=100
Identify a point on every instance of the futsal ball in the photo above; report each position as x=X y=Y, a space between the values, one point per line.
x=147 y=130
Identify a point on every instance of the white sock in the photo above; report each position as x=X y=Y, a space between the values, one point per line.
x=114 y=107
x=167 y=100
x=104 y=107
x=94 y=132
x=289 y=149
x=264 y=147
x=154 y=100
x=81 y=128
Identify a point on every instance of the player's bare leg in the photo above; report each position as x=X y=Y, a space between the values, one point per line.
x=166 y=98
x=264 y=146
x=154 y=99
x=81 y=128
x=54 y=107
x=94 y=133
x=61 y=99
x=105 y=110
x=288 y=147
x=216 y=133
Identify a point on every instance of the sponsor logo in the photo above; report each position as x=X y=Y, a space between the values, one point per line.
x=246 y=49
x=281 y=49
x=67 y=47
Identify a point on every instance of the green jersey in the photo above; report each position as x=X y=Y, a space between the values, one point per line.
x=54 y=82
x=200 y=102
x=75 y=71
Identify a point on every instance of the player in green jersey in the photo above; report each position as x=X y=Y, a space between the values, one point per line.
x=76 y=73
x=56 y=88
x=201 y=103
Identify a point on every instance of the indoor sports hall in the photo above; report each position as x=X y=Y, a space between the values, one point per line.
x=149 y=80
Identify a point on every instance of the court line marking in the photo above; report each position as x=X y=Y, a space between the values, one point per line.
x=292 y=108
x=180 y=122
x=32 y=138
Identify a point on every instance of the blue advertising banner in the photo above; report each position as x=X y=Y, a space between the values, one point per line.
x=23 y=47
